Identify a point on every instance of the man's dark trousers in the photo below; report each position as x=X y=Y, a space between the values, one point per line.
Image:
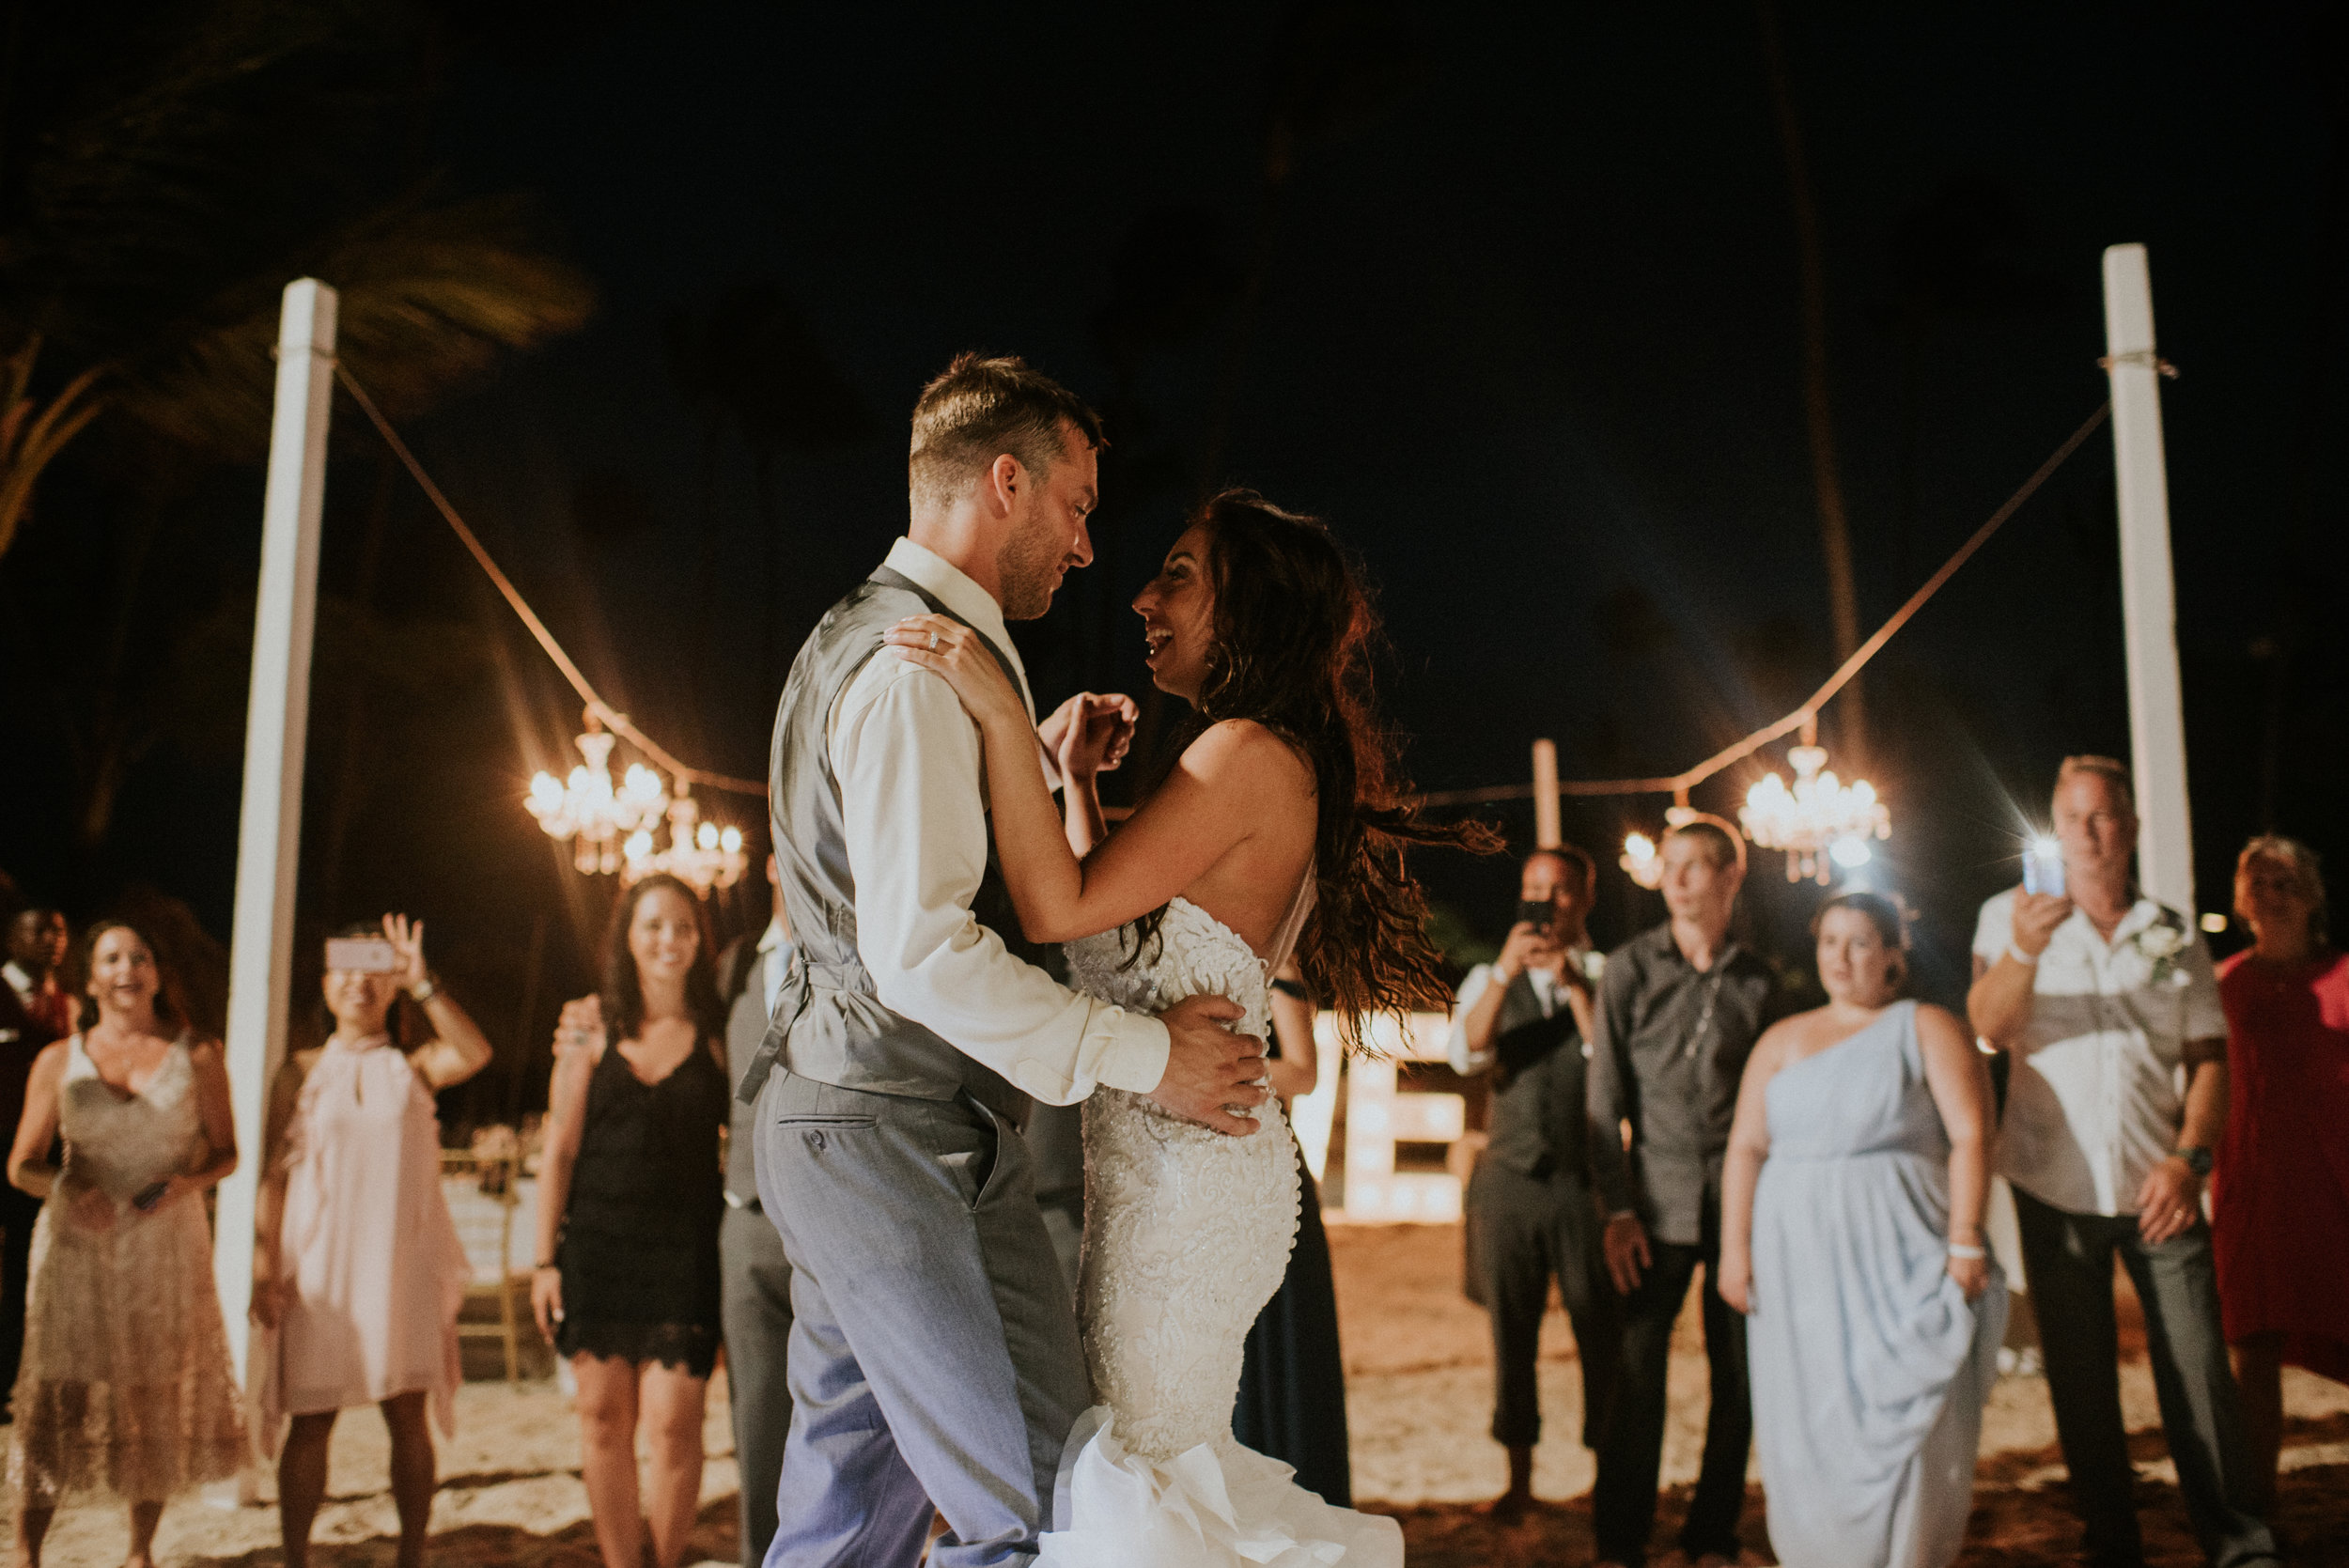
x=1623 y=1499
x=755 y=1308
x=754 y=1289
x=2067 y=1258
x=1530 y=1231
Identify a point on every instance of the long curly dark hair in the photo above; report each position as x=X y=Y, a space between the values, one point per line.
x=623 y=993
x=1295 y=634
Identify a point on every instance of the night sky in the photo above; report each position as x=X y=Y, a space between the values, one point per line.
x=1527 y=332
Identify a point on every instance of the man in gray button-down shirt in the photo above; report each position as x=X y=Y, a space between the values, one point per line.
x=1679 y=1009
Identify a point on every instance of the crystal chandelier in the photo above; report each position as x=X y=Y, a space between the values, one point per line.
x=589 y=810
x=1820 y=822
x=701 y=854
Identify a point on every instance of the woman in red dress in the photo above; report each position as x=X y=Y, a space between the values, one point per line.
x=2281 y=1192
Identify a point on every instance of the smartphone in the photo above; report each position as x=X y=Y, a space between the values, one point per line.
x=2043 y=867
x=360 y=955
x=1536 y=911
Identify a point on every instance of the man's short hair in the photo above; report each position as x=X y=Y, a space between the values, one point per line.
x=980 y=407
x=2111 y=769
x=1720 y=842
x=1573 y=855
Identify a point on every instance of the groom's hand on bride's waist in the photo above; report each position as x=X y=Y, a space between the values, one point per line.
x=1211 y=1073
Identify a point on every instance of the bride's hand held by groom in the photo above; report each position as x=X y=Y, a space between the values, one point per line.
x=1089 y=734
x=1211 y=1073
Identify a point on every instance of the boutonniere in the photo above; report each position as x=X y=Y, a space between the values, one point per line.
x=2161 y=943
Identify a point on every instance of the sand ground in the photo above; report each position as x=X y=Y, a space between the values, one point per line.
x=1419 y=1397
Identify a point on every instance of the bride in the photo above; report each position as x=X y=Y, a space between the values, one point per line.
x=1276 y=831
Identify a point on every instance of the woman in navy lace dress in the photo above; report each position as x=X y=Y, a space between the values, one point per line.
x=628 y=1203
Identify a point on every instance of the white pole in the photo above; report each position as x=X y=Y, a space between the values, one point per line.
x=1546 y=835
x=269 y=828
x=2165 y=848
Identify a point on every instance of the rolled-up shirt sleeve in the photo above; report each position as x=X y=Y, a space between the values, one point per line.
x=909 y=763
x=1607 y=1087
x=2205 y=1016
x=1467 y=1063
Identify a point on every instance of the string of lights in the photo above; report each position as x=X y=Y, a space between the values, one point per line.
x=1805 y=718
x=610 y=827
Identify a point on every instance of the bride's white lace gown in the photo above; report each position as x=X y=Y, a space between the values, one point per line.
x=1187 y=1235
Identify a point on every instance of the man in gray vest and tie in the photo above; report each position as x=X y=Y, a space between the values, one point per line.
x=755 y=1303
x=1526 y=1019
x=934 y=1358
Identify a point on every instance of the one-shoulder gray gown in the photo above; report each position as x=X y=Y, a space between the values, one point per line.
x=1869 y=1367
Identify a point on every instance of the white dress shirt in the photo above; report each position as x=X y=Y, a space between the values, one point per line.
x=2094 y=1101
x=774 y=956
x=912 y=782
x=1547 y=990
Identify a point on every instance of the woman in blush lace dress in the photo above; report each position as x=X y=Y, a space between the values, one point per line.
x=1277 y=831
x=1851 y=1234
x=126 y=1385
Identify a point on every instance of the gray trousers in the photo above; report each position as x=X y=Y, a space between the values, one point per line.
x=934 y=1356
x=755 y=1309
x=2068 y=1259
x=1528 y=1231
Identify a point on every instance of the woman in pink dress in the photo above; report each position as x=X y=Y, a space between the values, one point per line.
x=358 y=1270
x=2280 y=1193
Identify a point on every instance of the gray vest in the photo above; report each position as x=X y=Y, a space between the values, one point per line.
x=1537 y=1126
x=828 y=1023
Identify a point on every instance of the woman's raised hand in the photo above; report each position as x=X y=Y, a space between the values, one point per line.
x=956 y=652
x=581 y=1024
x=407 y=939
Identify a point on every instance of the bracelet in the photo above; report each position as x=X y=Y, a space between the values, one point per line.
x=2029 y=960
x=1959 y=1250
x=424 y=992
x=549 y=1264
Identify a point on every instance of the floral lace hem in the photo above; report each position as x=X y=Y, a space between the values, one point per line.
x=141 y=1444
x=690 y=1347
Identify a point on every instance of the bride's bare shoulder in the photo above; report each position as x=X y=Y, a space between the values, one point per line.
x=1246 y=754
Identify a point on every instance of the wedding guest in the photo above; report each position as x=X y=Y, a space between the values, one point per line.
x=1527 y=1019
x=126 y=1385
x=35 y=971
x=35 y=1010
x=1679 y=1008
x=756 y=1295
x=2101 y=997
x=1292 y=1380
x=1851 y=1237
x=2281 y=1194
x=357 y=1273
x=630 y=1198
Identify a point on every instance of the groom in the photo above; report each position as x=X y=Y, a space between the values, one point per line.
x=934 y=1356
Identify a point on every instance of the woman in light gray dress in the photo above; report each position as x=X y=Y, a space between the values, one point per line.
x=1851 y=1236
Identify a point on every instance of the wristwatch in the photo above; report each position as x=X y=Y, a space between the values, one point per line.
x=2197 y=1157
